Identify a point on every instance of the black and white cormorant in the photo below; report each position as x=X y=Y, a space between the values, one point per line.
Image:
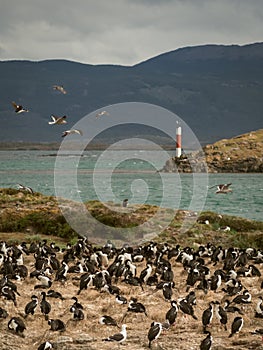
x=76 y=303
x=45 y=346
x=168 y=290
x=186 y=308
x=172 y=313
x=236 y=326
x=146 y=273
x=9 y=294
x=46 y=282
x=31 y=306
x=61 y=273
x=206 y=343
x=56 y=325
x=137 y=307
x=45 y=306
x=51 y=293
x=245 y=298
x=259 y=308
x=207 y=317
x=17 y=325
x=78 y=314
x=121 y=299
x=154 y=332
x=221 y=314
x=107 y=320
x=3 y=313
x=232 y=308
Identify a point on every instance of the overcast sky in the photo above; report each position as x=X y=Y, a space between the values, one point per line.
x=122 y=31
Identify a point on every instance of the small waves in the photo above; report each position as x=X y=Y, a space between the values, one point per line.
x=37 y=171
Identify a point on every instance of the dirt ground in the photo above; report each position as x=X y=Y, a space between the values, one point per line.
x=186 y=334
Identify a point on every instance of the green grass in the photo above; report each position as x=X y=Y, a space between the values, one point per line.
x=41 y=215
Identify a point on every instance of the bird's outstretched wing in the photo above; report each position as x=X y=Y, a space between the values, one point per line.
x=221 y=186
x=227 y=185
x=60 y=88
x=14 y=105
x=72 y=131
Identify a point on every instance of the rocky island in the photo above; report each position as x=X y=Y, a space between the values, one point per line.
x=240 y=154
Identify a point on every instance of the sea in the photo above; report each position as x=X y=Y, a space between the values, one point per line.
x=112 y=176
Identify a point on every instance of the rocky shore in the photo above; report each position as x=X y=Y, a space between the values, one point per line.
x=240 y=154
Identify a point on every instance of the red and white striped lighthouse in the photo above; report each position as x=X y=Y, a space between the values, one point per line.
x=178 y=141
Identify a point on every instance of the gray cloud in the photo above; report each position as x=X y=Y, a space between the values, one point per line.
x=122 y=31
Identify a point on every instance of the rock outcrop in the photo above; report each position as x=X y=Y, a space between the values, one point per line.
x=241 y=154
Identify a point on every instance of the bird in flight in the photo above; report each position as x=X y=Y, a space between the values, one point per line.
x=100 y=114
x=25 y=188
x=58 y=120
x=223 y=188
x=72 y=131
x=19 y=108
x=60 y=88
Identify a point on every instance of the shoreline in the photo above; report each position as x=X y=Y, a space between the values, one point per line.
x=38 y=214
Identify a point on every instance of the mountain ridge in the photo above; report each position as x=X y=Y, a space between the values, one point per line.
x=208 y=86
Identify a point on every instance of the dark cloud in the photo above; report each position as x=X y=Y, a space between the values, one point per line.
x=122 y=31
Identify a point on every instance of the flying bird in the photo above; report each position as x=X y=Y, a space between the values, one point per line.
x=58 y=120
x=100 y=114
x=72 y=131
x=223 y=188
x=19 y=108
x=60 y=88
x=25 y=188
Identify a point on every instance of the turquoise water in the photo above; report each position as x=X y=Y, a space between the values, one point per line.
x=130 y=174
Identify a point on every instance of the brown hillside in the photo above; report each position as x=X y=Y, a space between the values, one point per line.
x=243 y=153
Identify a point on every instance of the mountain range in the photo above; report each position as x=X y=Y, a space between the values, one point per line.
x=216 y=89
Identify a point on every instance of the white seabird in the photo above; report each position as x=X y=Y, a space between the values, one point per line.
x=223 y=188
x=118 y=337
x=58 y=120
x=60 y=88
x=72 y=131
x=100 y=114
x=25 y=188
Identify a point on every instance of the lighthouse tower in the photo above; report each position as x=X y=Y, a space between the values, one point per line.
x=178 y=141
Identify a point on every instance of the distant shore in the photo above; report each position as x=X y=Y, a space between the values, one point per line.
x=54 y=146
